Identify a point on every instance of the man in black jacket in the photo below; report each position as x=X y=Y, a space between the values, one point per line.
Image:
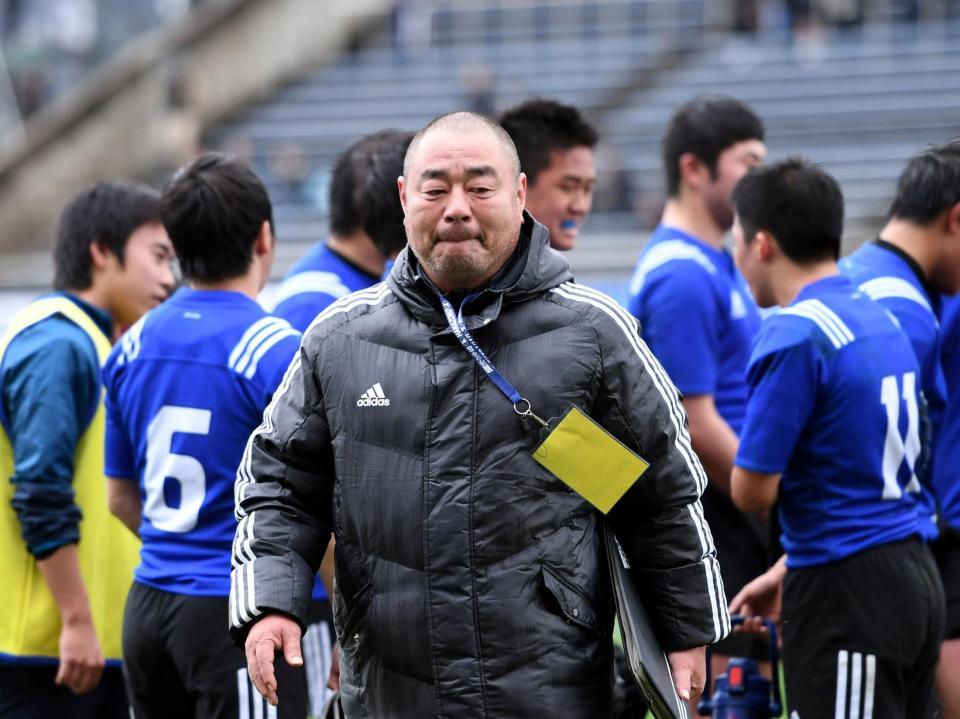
x=471 y=581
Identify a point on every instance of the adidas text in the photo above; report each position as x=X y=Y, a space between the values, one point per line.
x=372 y=402
x=373 y=397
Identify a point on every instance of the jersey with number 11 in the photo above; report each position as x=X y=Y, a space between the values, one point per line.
x=185 y=388
x=834 y=409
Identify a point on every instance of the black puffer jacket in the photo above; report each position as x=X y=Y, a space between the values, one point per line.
x=471 y=582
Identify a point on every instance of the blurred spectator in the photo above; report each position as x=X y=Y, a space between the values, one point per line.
x=478 y=86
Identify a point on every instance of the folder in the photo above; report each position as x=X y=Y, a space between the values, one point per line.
x=645 y=657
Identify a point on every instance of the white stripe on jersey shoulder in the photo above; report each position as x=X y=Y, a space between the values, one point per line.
x=628 y=325
x=664 y=252
x=130 y=342
x=370 y=296
x=826 y=319
x=248 y=335
x=303 y=283
x=881 y=288
x=256 y=341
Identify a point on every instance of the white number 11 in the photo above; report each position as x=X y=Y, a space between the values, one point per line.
x=896 y=448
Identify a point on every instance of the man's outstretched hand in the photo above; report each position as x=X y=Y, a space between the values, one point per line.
x=761 y=598
x=689 y=669
x=271 y=634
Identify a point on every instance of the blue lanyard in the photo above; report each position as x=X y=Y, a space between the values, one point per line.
x=460 y=331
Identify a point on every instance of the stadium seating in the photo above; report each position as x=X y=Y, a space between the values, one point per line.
x=860 y=103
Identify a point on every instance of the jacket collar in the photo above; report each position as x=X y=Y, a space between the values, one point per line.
x=533 y=269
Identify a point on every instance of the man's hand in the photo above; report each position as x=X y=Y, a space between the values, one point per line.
x=761 y=598
x=689 y=669
x=272 y=633
x=81 y=661
x=333 y=682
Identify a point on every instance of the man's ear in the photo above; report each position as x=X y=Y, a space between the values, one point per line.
x=100 y=256
x=402 y=189
x=691 y=170
x=953 y=220
x=522 y=191
x=265 y=241
x=765 y=245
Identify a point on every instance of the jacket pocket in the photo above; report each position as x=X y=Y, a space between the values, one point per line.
x=354 y=611
x=574 y=606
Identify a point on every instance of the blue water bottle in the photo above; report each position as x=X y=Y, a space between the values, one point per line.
x=744 y=693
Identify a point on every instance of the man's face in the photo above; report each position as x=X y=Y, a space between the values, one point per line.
x=946 y=272
x=732 y=164
x=463 y=206
x=751 y=267
x=562 y=196
x=144 y=279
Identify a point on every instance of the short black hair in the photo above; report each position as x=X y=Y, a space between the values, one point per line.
x=106 y=214
x=213 y=209
x=798 y=203
x=538 y=127
x=705 y=127
x=929 y=185
x=363 y=190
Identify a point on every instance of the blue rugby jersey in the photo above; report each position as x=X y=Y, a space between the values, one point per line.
x=186 y=386
x=891 y=277
x=834 y=408
x=946 y=464
x=315 y=281
x=697 y=316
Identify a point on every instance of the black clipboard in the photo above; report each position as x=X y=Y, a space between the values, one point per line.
x=646 y=659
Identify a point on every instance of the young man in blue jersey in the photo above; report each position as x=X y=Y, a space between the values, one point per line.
x=832 y=429
x=946 y=469
x=185 y=387
x=366 y=230
x=66 y=563
x=699 y=319
x=556 y=146
x=915 y=259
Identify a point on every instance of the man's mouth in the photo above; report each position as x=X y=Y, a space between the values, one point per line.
x=568 y=225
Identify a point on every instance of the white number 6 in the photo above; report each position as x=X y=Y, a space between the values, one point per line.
x=187 y=471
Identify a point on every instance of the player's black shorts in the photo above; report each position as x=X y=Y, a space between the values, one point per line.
x=179 y=661
x=861 y=636
x=947 y=552
x=743 y=550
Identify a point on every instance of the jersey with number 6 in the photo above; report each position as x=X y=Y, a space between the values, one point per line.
x=186 y=386
x=834 y=398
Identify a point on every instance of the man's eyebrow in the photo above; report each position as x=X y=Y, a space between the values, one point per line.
x=470 y=172
x=434 y=175
x=481 y=170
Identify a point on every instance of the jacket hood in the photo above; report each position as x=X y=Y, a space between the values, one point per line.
x=533 y=268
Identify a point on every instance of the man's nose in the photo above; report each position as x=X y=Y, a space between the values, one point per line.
x=458 y=206
x=581 y=203
x=167 y=279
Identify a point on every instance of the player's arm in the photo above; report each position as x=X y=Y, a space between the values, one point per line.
x=123 y=496
x=753 y=491
x=713 y=440
x=679 y=324
x=81 y=660
x=123 y=490
x=50 y=393
x=783 y=389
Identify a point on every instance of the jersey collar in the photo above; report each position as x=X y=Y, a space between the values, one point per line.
x=910 y=262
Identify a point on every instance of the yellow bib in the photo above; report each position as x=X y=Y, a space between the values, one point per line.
x=108 y=552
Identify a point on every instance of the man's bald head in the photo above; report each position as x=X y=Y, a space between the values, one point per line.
x=465 y=122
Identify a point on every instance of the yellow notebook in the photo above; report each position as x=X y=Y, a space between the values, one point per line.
x=590 y=460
